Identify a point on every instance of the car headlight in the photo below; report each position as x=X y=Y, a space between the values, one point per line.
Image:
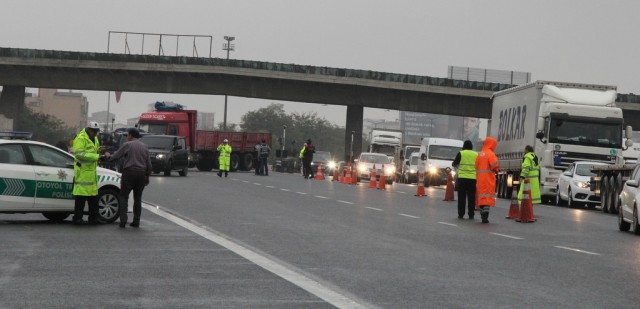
x=362 y=168
x=160 y=156
x=312 y=164
x=433 y=169
x=332 y=164
x=412 y=171
x=390 y=170
x=581 y=184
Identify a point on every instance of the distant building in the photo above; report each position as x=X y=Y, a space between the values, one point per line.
x=70 y=107
x=101 y=118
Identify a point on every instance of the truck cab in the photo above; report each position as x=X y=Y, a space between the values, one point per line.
x=438 y=155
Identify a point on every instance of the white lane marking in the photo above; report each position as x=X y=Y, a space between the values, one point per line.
x=283 y=189
x=245 y=181
x=345 y=202
x=270 y=187
x=373 y=208
x=257 y=184
x=576 y=250
x=235 y=179
x=446 y=223
x=401 y=192
x=303 y=193
x=507 y=236
x=410 y=216
x=332 y=296
x=320 y=196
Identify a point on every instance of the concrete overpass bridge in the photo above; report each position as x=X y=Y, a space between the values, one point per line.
x=356 y=89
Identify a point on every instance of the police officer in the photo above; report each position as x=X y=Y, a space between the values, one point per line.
x=530 y=171
x=86 y=151
x=307 y=157
x=256 y=155
x=224 y=159
x=135 y=175
x=465 y=162
x=264 y=157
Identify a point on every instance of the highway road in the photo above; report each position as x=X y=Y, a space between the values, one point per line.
x=285 y=242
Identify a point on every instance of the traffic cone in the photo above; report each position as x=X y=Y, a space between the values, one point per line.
x=382 y=185
x=448 y=196
x=336 y=174
x=420 y=189
x=514 y=208
x=526 y=209
x=372 y=178
x=346 y=179
x=319 y=174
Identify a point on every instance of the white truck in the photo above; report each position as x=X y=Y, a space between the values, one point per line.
x=388 y=142
x=564 y=122
x=437 y=154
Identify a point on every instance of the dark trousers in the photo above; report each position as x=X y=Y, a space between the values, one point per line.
x=466 y=192
x=131 y=180
x=78 y=209
x=256 y=163
x=264 y=168
x=306 y=164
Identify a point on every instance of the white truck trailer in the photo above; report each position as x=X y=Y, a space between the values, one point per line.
x=564 y=122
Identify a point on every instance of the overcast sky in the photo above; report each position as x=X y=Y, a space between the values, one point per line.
x=577 y=41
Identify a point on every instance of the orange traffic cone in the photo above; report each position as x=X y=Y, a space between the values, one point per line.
x=336 y=174
x=420 y=189
x=526 y=209
x=382 y=185
x=514 y=208
x=372 y=180
x=448 y=196
x=346 y=179
x=319 y=174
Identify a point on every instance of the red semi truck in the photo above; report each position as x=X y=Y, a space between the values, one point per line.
x=204 y=143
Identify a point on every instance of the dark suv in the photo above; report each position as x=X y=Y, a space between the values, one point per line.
x=168 y=153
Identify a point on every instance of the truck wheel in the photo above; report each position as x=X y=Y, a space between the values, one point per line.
x=184 y=171
x=623 y=225
x=235 y=162
x=56 y=216
x=604 y=194
x=247 y=162
x=167 y=172
x=108 y=205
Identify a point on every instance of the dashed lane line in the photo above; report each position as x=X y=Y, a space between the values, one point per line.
x=507 y=236
x=345 y=202
x=302 y=193
x=322 y=197
x=373 y=208
x=271 y=187
x=576 y=250
x=332 y=296
x=245 y=181
x=446 y=223
x=409 y=216
x=283 y=189
x=257 y=184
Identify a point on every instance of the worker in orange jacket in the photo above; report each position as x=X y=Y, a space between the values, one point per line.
x=486 y=169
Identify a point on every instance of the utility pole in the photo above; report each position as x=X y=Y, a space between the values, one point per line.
x=228 y=47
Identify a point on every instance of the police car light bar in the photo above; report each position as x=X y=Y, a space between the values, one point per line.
x=15 y=135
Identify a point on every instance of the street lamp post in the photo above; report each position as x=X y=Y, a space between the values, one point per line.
x=228 y=47
x=351 y=146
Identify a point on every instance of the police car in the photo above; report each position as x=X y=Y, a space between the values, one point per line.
x=37 y=177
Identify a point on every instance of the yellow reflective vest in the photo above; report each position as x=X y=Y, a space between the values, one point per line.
x=467 y=167
x=302 y=151
x=530 y=171
x=224 y=159
x=85 y=169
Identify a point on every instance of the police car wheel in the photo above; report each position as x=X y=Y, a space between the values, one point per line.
x=108 y=205
x=56 y=216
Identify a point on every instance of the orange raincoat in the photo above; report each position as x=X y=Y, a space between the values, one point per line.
x=486 y=168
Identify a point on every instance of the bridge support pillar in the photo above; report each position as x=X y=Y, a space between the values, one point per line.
x=11 y=106
x=354 y=124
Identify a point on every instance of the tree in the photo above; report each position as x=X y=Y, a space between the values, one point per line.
x=230 y=127
x=45 y=128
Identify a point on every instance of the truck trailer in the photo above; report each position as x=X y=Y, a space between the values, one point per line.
x=203 y=144
x=564 y=122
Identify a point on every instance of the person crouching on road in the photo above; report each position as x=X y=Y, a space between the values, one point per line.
x=224 y=159
x=465 y=162
x=86 y=152
x=264 y=157
x=531 y=171
x=135 y=175
x=486 y=169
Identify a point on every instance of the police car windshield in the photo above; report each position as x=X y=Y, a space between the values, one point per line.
x=158 y=142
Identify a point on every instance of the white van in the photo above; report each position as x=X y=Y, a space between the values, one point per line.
x=437 y=155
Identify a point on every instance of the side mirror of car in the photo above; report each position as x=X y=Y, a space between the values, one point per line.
x=632 y=183
x=423 y=157
x=567 y=174
x=407 y=163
